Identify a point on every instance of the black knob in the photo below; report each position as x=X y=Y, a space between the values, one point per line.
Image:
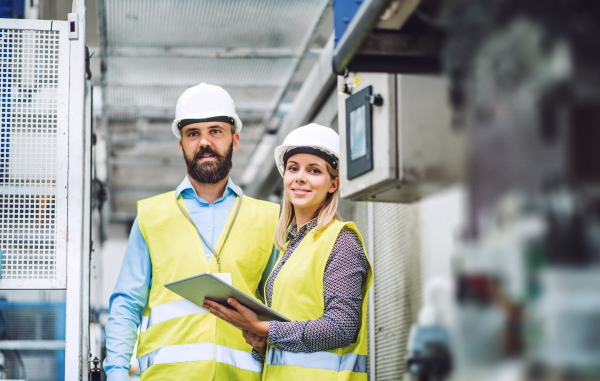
x=375 y=99
x=346 y=89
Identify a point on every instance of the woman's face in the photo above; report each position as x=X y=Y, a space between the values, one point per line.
x=306 y=181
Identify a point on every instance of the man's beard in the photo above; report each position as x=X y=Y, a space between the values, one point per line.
x=210 y=172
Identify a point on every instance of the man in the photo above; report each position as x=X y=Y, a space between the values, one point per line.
x=206 y=225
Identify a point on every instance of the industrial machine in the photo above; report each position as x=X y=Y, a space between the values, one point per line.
x=397 y=140
x=45 y=204
x=388 y=65
x=523 y=86
x=32 y=339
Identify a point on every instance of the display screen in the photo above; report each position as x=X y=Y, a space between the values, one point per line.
x=358 y=132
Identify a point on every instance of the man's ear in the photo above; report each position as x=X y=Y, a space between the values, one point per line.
x=236 y=141
x=181 y=146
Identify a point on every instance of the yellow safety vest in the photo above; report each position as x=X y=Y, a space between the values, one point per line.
x=179 y=340
x=298 y=295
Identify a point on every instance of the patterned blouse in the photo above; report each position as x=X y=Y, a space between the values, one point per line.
x=344 y=278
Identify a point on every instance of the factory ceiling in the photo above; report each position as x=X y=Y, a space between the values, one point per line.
x=152 y=50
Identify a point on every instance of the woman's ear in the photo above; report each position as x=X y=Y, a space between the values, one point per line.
x=335 y=184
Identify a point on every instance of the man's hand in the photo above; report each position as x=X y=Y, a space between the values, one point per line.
x=240 y=316
x=257 y=342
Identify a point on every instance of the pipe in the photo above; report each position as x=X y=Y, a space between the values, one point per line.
x=371 y=303
x=357 y=31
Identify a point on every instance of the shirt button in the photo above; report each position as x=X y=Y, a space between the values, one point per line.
x=209 y=228
x=209 y=204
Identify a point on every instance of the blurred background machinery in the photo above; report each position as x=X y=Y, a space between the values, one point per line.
x=529 y=96
x=523 y=82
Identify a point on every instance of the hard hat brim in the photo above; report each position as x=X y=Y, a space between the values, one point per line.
x=282 y=149
x=177 y=132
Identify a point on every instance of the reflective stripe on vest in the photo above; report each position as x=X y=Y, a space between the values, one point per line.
x=170 y=311
x=199 y=352
x=319 y=360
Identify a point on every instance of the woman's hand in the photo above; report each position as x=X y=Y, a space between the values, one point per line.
x=257 y=342
x=240 y=316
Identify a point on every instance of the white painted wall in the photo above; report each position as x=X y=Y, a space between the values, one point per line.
x=443 y=217
x=112 y=253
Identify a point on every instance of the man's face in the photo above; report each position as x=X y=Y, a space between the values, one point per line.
x=207 y=149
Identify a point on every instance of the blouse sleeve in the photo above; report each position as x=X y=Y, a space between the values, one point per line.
x=257 y=356
x=345 y=274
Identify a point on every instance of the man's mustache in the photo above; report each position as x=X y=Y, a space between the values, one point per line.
x=206 y=151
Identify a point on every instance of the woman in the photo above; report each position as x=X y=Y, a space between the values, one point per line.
x=321 y=280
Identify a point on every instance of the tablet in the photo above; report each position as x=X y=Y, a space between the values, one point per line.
x=206 y=286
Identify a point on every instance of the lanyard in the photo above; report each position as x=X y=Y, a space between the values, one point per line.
x=212 y=249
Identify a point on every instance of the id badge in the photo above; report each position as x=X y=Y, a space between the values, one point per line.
x=225 y=277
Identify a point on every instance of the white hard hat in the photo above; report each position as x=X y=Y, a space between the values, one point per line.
x=314 y=139
x=205 y=101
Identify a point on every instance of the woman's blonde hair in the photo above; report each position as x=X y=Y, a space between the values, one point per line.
x=326 y=214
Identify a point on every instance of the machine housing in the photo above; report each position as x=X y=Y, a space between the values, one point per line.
x=418 y=151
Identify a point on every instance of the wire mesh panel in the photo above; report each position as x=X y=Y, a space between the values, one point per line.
x=33 y=157
x=397 y=284
x=357 y=212
x=266 y=25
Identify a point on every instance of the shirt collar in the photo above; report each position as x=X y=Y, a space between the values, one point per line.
x=306 y=227
x=186 y=185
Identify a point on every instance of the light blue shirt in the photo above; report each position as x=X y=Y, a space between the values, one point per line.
x=130 y=296
x=210 y=218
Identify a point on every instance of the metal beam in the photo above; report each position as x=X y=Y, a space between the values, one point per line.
x=318 y=86
x=138 y=138
x=170 y=110
x=32 y=345
x=77 y=302
x=102 y=29
x=102 y=34
x=397 y=52
x=361 y=25
x=357 y=31
x=143 y=191
x=305 y=50
x=398 y=44
x=148 y=85
x=133 y=138
x=371 y=300
x=171 y=52
x=148 y=162
x=197 y=53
